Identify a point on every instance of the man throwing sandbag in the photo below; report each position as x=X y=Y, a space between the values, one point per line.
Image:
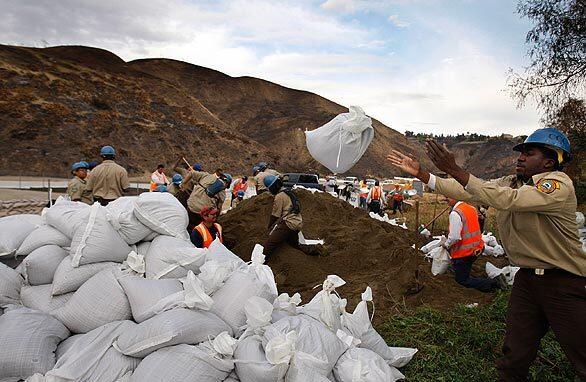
x=285 y=221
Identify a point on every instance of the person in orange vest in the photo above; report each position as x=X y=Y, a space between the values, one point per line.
x=465 y=245
x=363 y=194
x=397 y=197
x=158 y=178
x=208 y=230
x=238 y=185
x=375 y=199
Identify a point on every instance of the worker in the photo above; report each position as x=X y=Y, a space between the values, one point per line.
x=77 y=185
x=93 y=164
x=175 y=185
x=363 y=183
x=375 y=199
x=263 y=171
x=363 y=195
x=239 y=198
x=286 y=220
x=161 y=188
x=397 y=197
x=465 y=245
x=208 y=230
x=535 y=212
x=108 y=181
x=158 y=178
x=238 y=185
x=208 y=191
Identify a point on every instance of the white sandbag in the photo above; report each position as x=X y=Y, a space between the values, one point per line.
x=97 y=241
x=441 y=260
x=39 y=297
x=433 y=244
x=489 y=240
x=143 y=247
x=40 y=265
x=359 y=325
x=93 y=358
x=29 y=339
x=324 y=306
x=121 y=216
x=170 y=257
x=263 y=272
x=173 y=327
x=66 y=344
x=230 y=299
x=508 y=271
x=285 y=305
x=232 y=377
x=162 y=212
x=258 y=315
x=143 y=294
x=66 y=215
x=363 y=365
x=43 y=235
x=99 y=301
x=218 y=252
x=184 y=363
x=10 y=284
x=214 y=273
x=68 y=279
x=313 y=338
x=14 y=230
x=252 y=365
x=340 y=143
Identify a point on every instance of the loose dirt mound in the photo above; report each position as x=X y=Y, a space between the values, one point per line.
x=361 y=250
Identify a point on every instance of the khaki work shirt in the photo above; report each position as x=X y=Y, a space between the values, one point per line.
x=173 y=189
x=75 y=190
x=536 y=221
x=282 y=210
x=260 y=177
x=108 y=180
x=199 y=198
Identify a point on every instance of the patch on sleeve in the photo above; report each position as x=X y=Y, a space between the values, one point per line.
x=548 y=185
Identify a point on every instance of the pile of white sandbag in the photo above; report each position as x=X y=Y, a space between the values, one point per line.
x=119 y=293
x=385 y=218
x=491 y=246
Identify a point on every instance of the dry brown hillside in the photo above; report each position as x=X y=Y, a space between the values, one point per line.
x=60 y=104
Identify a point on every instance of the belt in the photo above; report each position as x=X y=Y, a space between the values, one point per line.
x=542 y=271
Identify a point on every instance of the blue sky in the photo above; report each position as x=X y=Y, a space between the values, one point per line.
x=421 y=65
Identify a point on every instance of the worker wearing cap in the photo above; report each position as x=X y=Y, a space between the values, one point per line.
x=208 y=191
x=175 y=185
x=158 y=178
x=263 y=171
x=208 y=230
x=188 y=180
x=183 y=168
x=239 y=198
x=535 y=213
x=77 y=185
x=108 y=181
x=285 y=221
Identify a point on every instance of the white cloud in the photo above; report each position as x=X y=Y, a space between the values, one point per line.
x=398 y=22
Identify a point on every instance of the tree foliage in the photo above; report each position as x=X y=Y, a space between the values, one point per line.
x=557 y=53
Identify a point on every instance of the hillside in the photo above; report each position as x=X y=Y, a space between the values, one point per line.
x=60 y=104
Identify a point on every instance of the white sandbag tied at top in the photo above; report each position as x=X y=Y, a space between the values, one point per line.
x=96 y=240
x=121 y=216
x=252 y=365
x=144 y=294
x=340 y=143
x=43 y=235
x=14 y=230
x=66 y=215
x=162 y=212
x=170 y=257
x=364 y=365
x=28 y=341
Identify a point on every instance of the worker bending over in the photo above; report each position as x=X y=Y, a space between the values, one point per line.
x=465 y=245
x=262 y=172
x=208 y=191
x=175 y=185
x=375 y=199
x=535 y=213
x=158 y=178
x=239 y=199
x=208 y=230
x=77 y=185
x=285 y=221
x=237 y=186
x=108 y=181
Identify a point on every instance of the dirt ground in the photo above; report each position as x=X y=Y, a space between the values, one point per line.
x=361 y=250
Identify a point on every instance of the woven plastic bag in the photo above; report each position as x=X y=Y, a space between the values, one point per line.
x=40 y=265
x=14 y=230
x=340 y=143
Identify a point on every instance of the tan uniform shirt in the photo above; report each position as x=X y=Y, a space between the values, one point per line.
x=198 y=198
x=282 y=210
x=189 y=180
x=173 y=189
x=536 y=221
x=75 y=190
x=260 y=177
x=108 y=180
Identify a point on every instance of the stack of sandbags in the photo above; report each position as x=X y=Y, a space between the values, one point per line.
x=491 y=246
x=508 y=271
x=14 y=230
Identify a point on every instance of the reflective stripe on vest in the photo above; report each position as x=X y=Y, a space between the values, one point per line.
x=471 y=235
x=206 y=235
x=376 y=193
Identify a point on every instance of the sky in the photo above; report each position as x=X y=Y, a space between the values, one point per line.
x=430 y=66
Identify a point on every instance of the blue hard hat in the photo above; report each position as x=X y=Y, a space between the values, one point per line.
x=262 y=166
x=161 y=188
x=269 y=180
x=197 y=167
x=177 y=179
x=78 y=165
x=549 y=137
x=93 y=164
x=240 y=194
x=107 y=150
x=227 y=178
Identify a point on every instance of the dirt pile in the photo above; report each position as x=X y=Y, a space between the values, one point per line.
x=361 y=250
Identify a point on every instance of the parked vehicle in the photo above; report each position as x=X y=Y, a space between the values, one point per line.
x=350 y=180
x=305 y=180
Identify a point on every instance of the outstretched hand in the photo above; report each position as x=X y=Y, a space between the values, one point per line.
x=444 y=160
x=408 y=165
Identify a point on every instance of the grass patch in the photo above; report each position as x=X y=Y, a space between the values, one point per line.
x=463 y=344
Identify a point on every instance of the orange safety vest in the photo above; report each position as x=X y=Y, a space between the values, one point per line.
x=398 y=196
x=206 y=235
x=240 y=185
x=376 y=193
x=471 y=241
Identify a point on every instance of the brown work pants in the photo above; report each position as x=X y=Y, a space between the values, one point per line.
x=557 y=300
x=283 y=234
